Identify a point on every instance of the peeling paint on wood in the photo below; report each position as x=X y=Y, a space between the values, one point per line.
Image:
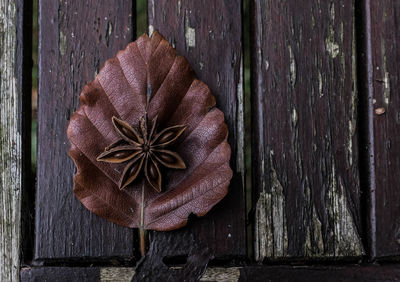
x=386 y=92
x=386 y=79
x=330 y=44
x=223 y=274
x=343 y=236
x=271 y=237
x=14 y=87
x=62 y=44
x=331 y=47
x=190 y=33
x=314 y=244
x=304 y=123
x=151 y=30
x=125 y=274
x=353 y=100
x=292 y=67
x=10 y=146
x=116 y=274
x=271 y=231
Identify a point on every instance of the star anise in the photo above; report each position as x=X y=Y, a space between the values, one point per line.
x=143 y=149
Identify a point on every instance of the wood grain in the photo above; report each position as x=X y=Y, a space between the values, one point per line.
x=114 y=274
x=366 y=273
x=76 y=37
x=15 y=84
x=211 y=41
x=250 y=273
x=60 y=274
x=304 y=115
x=385 y=54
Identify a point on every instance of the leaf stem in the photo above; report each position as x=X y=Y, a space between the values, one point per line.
x=142 y=235
x=142 y=231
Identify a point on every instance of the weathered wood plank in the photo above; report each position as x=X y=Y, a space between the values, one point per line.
x=76 y=37
x=304 y=115
x=209 y=36
x=385 y=54
x=114 y=274
x=60 y=274
x=231 y=274
x=320 y=273
x=15 y=84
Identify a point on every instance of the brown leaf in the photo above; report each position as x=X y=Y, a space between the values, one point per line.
x=148 y=77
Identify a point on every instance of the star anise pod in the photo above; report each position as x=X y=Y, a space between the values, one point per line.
x=143 y=150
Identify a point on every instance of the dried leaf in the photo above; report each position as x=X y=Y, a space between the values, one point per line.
x=147 y=80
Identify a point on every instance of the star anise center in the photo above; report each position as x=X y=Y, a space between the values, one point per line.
x=143 y=150
x=146 y=148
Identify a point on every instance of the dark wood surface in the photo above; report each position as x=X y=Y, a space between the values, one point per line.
x=60 y=274
x=76 y=37
x=385 y=55
x=209 y=36
x=305 y=125
x=245 y=273
x=320 y=273
x=304 y=116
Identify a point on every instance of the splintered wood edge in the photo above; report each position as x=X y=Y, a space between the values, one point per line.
x=125 y=274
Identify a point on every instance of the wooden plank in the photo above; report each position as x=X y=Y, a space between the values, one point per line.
x=304 y=115
x=76 y=37
x=209 y=36
x=60 y=274
x=385 y=54
x=320 y=273
x=114 y=274
x=15 y=84
x=231 y=274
